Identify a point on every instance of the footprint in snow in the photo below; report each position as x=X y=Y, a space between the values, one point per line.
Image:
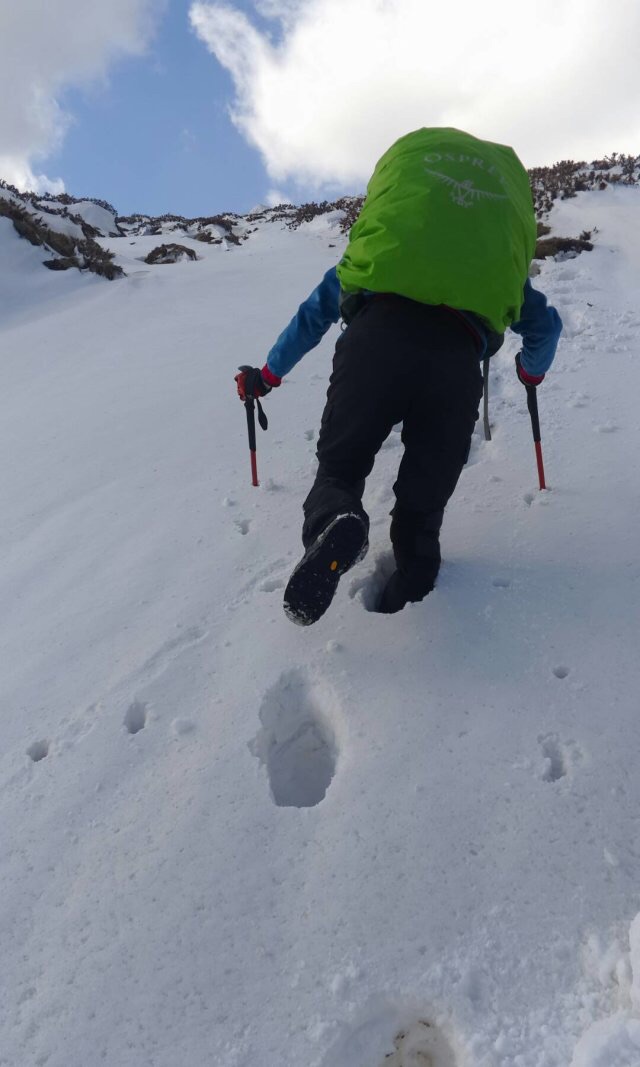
x=559 y=758
x=243 y=525
x=135 y=719
x=269 y=585
x=309 y=434
x=580 y=400
x=607 y=427
x=182 y=727
x=297 y=742
x=368 y=590
x=185 y=639
x=38 y=751
x=267 y=579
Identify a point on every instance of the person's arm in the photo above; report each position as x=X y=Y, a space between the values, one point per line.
x=540 y=327
x=307 y=328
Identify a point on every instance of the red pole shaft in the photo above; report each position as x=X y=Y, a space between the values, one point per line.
x=540 y=465
x=254 y=469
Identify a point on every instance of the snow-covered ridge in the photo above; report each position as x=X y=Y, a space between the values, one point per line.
x=562 y=181
x=90 y=219
x=66 y=230
x=81 y=220
x=567 y=178
x=232 y=229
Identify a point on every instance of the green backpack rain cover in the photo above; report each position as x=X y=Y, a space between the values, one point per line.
x=448 y=219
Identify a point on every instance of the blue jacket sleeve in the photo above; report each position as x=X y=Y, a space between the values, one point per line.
x=540 y=327
x=308 y=326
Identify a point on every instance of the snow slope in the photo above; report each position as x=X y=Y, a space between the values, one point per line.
x=229 y=842
x=62 y=215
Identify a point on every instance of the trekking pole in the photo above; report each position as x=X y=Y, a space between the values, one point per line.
x=249 y=407
x=532 y=404
x=250 y=402
x=485 y=375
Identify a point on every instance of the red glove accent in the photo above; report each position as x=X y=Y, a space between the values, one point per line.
x=269 y=378
x=241 y=382
x=255 y=383
x=527 y=379
x=530 y=379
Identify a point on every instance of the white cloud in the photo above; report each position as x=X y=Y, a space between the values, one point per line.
x=347 y=77
x=17 y=172
x=45 y=48
x=275 y=197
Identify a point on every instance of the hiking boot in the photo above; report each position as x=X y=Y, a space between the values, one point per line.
x=312 y=586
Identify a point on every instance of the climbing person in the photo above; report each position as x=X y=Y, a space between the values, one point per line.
x=435 y=270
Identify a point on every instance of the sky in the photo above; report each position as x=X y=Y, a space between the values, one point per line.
x=197 y=107
x=158 y=138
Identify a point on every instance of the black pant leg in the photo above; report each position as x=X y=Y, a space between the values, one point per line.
x=364 y=401
x=438 y=425
x=398 y=361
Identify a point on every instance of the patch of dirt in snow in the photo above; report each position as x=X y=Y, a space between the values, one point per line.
x=423 y=1045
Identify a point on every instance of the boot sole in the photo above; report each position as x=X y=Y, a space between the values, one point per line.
x=313 y=584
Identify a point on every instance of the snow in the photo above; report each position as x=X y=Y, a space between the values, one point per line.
x=228 y=841
x=26 y=285
x=96 y=216
x=61 y=224
x=56 y=214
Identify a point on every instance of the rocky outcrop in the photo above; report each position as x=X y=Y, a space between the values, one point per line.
x=170 y=253
x=69 y=250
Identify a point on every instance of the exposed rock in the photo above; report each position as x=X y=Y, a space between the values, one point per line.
x=85 y=253
x=64 y=263
x=553 y=246
x=170 y=253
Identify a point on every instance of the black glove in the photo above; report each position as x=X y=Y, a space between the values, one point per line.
x=527 y=379
x=253 y=383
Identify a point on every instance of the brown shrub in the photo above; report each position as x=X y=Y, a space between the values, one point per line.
x=169 y=253
x=551 y=246
x=208 y=238
x=61 y=264
x=85 y=254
